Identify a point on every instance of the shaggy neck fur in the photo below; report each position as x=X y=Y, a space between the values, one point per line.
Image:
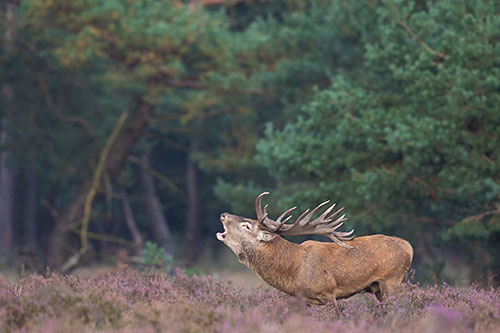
x=276 y=262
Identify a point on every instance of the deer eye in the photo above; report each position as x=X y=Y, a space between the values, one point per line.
x=246 y=225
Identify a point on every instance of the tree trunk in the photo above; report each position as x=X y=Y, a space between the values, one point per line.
x=60 y=238
x=30 y=207
x=193 y=213
x=30 y=184
x=159 y=224
x=6 y=174
x=6 y=205
x=130 y=222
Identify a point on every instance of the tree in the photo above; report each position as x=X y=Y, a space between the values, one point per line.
x=155 y=58
x=7 y=174
x=409 y=146
x=161 y=230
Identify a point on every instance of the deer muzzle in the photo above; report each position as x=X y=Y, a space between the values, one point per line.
x=222 y=235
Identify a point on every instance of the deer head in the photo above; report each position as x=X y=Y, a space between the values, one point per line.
x=242 y=234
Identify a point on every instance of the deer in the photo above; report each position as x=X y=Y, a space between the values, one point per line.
x=316 y=272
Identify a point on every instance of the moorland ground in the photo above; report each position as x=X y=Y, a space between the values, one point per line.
x=127 y=300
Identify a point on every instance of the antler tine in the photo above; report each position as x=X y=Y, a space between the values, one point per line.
x=337 y=223
x=263 y=216
x=296 y=223
x=324 y=218
x=335 y=227
x=302 y=215
x=285 y=213
x=305 y=218
x=281 y=223
x=261 y=222
x=323 y=225
x=311 y=214
x=258 y=206
x=344 y=235
x=326 y=212
x=337 y=212
x=339 y=242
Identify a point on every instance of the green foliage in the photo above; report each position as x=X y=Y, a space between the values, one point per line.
x=194 y=271
x=239 y=198
x=85 y=62
x=410 y=146
x=157 y=257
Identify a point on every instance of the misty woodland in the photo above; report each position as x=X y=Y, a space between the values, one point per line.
x=136 y=135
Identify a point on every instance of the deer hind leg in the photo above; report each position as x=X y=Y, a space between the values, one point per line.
x=313 y=301
x=380 y=289
x=333 y=300
x=310 y=297
x=324 y=299
x=386 y=288
x=336 y=306
x=375 y=289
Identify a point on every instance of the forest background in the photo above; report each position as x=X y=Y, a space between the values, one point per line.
x=127 y=121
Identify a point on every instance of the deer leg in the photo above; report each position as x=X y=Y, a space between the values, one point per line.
x=318 y=301
x=333 y=299
x=385 y=290
x=313 y=301
x=374 y=288
x=309 y=297
x=337 y=310
x=321 y=300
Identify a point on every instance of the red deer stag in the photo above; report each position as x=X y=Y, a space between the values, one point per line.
x=318 y=272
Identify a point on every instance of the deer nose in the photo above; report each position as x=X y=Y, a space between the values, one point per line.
x=222 y=216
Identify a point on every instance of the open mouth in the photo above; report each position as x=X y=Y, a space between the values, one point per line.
x=221 y=235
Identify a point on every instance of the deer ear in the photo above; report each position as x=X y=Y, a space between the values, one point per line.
x=264 y=236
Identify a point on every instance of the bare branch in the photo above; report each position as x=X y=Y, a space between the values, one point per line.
x=196 y=85
x=477 y=217
x=101 y=165
x=130 y=221
x=207 y=3
x=48 y=97
x=167 y=182
x=420 y=41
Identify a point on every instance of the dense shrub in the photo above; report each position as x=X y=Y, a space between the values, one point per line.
x=128 y=300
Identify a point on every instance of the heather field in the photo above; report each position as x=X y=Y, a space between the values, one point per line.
x=133 y=301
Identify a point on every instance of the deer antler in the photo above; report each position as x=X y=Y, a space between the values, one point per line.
x=324 y=225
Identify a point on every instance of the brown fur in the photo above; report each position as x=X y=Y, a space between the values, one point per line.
x=319 y=272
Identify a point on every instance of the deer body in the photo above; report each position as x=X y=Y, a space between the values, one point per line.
x=318 y=272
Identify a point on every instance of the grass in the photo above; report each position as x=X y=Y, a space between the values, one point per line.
x=131 y=301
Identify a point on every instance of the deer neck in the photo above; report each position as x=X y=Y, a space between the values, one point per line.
x=277 y=262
